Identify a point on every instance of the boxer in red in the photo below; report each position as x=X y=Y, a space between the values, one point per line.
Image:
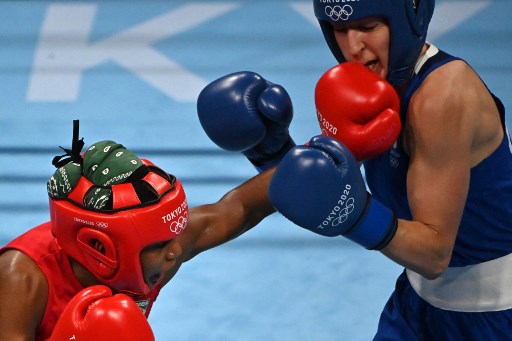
x=119 y=221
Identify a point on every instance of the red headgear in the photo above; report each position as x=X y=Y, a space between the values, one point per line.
x=124 y=231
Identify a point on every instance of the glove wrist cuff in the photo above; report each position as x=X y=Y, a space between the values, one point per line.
x=376 y=227
x=264 y=163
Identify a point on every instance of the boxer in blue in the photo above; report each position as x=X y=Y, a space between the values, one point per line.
x=440 y=189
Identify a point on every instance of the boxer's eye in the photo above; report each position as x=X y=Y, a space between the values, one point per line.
x=156 y=246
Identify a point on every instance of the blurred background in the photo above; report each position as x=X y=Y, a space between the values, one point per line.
x=131 y=72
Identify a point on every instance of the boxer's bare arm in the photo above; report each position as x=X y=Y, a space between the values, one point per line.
x=236 y=212
x=23 y=296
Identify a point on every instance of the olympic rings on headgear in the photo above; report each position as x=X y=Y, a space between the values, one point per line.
x=177 y=226
x=337 y=12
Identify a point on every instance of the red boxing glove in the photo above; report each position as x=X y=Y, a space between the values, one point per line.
x=94 y=314
x=359 y=108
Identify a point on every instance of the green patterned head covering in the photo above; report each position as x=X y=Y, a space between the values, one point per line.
x=105 y=163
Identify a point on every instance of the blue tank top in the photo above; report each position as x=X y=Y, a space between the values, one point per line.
x=485 y=232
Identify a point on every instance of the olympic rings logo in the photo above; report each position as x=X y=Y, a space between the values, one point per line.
x=102 y=224
x=338 y=12
x=344 y=212
x=341 y=211
x=179 y=225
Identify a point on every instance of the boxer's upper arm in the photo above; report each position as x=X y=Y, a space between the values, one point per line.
x=23 y=296
x=236 y=212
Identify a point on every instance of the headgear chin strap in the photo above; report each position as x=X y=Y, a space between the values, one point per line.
x=407 y=21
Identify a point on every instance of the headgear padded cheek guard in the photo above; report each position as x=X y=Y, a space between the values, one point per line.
x=124 y=229
x=408 y=28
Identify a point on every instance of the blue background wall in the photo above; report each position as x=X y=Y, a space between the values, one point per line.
x=131 y=71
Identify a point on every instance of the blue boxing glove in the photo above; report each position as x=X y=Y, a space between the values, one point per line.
x=320 y=187
x=245 y=113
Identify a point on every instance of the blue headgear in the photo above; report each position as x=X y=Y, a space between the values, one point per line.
x=408 y=28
